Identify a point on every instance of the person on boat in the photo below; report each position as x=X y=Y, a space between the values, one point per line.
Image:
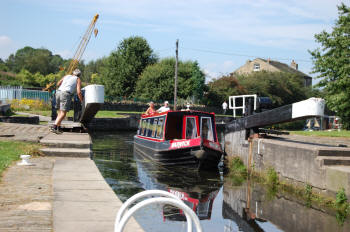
x=164 y=108
x=150 y=109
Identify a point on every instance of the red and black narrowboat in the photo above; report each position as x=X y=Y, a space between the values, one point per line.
x=179 y=137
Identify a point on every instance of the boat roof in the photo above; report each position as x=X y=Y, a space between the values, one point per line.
x=179 y=112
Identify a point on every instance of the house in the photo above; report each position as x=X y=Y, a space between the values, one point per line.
x=260 y=64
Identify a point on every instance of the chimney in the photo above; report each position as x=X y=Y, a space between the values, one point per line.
x=294 y=65
x=268 y=60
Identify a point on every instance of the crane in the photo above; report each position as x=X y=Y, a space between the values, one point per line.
x=80 y=50
x=82 y=45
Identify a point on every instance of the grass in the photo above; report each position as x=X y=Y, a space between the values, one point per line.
x=110 y=114
x=11 y=150
x=238 y=171
x=333 y=133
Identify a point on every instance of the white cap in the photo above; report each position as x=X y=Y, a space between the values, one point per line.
x=166 y=102
x=76 y=72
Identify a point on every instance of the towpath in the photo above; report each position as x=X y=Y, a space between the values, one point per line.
x=61 y=194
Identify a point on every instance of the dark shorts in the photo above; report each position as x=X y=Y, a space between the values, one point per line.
x=63 y=100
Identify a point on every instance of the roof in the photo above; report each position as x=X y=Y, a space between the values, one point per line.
x=284 y=67
x=178 y=112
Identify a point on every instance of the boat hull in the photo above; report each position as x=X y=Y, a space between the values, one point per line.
x=201 y=157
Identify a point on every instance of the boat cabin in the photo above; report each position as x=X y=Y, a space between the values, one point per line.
x=177 y=125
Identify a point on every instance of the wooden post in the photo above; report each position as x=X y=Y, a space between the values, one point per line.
x=176 y=64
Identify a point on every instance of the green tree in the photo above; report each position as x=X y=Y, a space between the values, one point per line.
x=157 y=81
x=3 y=66
x=95 y=69
x=125 y=65
x=26 y=78
x=220 y=89
x=281 y=87
x=34 y=60
x=332 y=62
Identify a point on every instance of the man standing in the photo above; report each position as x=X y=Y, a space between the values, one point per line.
x=67 y=87
x=224 y=107
x=164 y=108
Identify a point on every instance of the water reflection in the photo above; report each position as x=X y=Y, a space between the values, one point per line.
x=197 y=189
x=252 y=208
x=219 y=204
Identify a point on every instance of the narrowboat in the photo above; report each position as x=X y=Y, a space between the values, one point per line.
x=179 y=138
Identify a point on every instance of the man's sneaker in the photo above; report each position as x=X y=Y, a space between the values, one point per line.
x=56 y=131
x=52 y=129
x=59 y=130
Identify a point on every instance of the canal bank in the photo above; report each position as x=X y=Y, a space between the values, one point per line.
x=322 y=162
x=57 y=193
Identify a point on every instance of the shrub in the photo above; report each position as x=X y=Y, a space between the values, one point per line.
x=29 y=104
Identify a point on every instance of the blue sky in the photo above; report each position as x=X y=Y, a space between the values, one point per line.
x=220 y=34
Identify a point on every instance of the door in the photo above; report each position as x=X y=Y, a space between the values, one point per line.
x=207 y=129
x=191 y=129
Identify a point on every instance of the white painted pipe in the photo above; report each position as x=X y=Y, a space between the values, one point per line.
x=159 y=200
x=145 y=194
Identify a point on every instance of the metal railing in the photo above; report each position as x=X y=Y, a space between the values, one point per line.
x=163 y=197
x=8 y=93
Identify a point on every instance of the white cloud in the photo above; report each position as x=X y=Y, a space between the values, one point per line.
x=272 y=23
x=216 y=70
x=7 y=46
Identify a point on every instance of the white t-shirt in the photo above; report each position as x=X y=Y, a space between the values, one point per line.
x=224 y=105
x=163 y=109
x=69 y=84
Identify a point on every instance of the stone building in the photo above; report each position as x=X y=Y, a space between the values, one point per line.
x=268 y=65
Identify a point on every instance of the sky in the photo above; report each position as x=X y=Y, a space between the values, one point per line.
x=221 y=35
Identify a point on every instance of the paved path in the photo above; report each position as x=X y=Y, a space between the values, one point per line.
x=26 y=197
x=83 y=201
x=60 y=194
x=23 y=132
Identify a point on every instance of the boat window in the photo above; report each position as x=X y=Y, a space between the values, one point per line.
x=140 y=127
x=154 y=127
x=143 y=126
x=160 y=127
x=191 y=128
x=206 y=128
x=149 y=127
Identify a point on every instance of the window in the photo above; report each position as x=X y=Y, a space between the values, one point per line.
x=143 y=126
x=149 y=127
x=154 y=127
x=207 y=129
x=256 y=67
x=191 y=128
x=160 y=128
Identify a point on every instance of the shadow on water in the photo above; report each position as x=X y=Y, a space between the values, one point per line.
x=220 y=205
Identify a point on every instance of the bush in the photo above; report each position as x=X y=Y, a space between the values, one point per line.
x=29 y=104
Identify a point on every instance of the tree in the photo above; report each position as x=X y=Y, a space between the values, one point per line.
x=34 y=60
x=220 y=89
x=126 y=65
x=3 y=66
x=332 y=62
x=281 y=87
x=94 y=70
x=157 y=81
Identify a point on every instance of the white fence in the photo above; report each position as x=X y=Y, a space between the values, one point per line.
x=8 y=93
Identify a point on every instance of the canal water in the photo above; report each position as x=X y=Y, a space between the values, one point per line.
x=221 y=203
